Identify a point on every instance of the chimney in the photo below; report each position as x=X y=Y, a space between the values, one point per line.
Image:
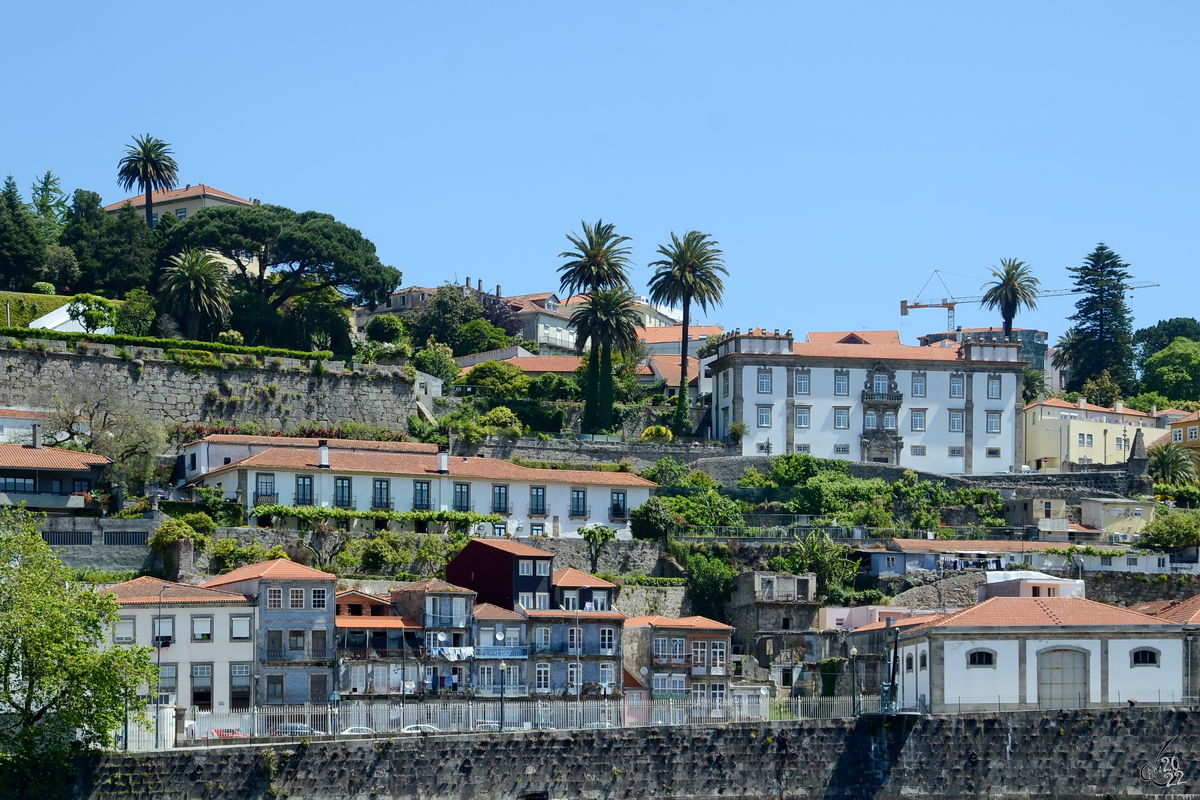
x=323 y=454
x=1119 y=407
x=958 y=337
x=1083 y=403
x=443 y=462
x=467 y=282
x=497 y=290
x=1153 y=410
x=37 y=436
x=480 y=286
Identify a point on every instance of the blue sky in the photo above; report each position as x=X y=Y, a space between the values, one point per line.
x=840 y=152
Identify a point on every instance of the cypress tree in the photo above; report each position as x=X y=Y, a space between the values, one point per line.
x=22 y=248
x=1102 y=321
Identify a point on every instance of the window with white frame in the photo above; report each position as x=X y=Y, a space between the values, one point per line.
x=841 y=418
x=239 y=629
x=525 y=567
x=880 y=383
x=1193 y=433
x=841 y=449
x=1089 y=440
x=803 y=447
x=1082 y=439
x=803 y=385
x=295 y=598
x=803 y=416
x=764 y=416
x=574 y=674
x=202 y=629
x=661 y=684
x=993 y=422
x=541 y=678
x=869 y=421
x=993 y=387
x=958 y=385
x=274 y=598
x=725 y=384
x=917 y=417
x=956 y=422
x=607 y=674
x=1177 y=435
x=764 y=381
x=574 y=640
x=542 y=601
x=889 y=420
x=123 y=634
x=607 y=637
x=918 y=384
x=841 y=383
x=543 y=567
x=541 y=637
x=956 y=452
x=660 y=646
x=918 y=449
x=525 y=599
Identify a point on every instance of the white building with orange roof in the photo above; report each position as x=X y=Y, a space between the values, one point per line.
x=219 y=449
x=1054 y=432
x=865 y=397
x=1028 y=653
x=668 y=340
x=203 y=638
x=534 y=502
x=181 y=203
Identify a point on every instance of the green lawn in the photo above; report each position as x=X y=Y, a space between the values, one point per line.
x=26 y=307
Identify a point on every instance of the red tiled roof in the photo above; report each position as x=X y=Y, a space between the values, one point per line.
x=906 y=622
x=1186 y=612
x=526 y=303
x=854 y=337
x=563 y=365
x=12 y=413
x=971 y=546
x=489 y=611
x=305 y=459
x=146 y=590
x=20 y=456
x=432 y=585
x=1192 y=417
x=1055 y=402
x=1164 y=439
x=346 y=596
x=1153 y=608
x=695 y=623
x=880 y=352
x=1003 y=612
x=556 y=613
x=514 y=548
x=175 y=195
x=334 y=444
x=370 y=622
x=1171 y=412
x=674 y=333
x=571 y=578
x=667 y=367
x=279 y=569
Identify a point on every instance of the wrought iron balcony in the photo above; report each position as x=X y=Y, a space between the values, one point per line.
x=306 y=654
x=501 y=508
x=539 y=510
x=381 y=503
x=265 y=498
x=618 y=512
x=580 y=511
x=421 y=505
x=502 y=652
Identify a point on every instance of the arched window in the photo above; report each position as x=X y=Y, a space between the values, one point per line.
x=908 y=663
x=1145 y=657
x=981 y=658
x=924 y=660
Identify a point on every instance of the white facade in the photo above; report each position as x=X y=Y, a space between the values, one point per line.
x=219 y=450
x=922 y=407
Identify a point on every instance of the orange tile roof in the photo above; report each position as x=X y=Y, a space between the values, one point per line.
x=334 y=444
x=971 y=546
x=305 y=459
x=370 y=622
x=1153 y=608
x=279 y=569
x=876 y=351
x=854 y=337
x=527 y=303
x=20 y=456
x=432 y=585
x=1003 y=612
x=514 y=548
x=563 y=365
x=13 y=413
x=674 y=333
x=345 y=597
x=1186 y=612
x=556 y=613
x=667 y=367
x=145 y=590
x=571 y=578
x=1192 y=417
x=695 y=623
x=175 y=195
x=906 y=622
x=630 y=681
x=489 y=611
x=1055 y=402
x=1164 y=439
x=976 y=330
x=1171 y=412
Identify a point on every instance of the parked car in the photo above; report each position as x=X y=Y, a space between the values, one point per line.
x=358 y=730
x=228 y=733
x=295 y=729
x=599 y=725
x=487 y=725
x=420 y=729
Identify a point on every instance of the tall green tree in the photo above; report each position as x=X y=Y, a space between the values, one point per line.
x=1102 y=320
x=127 y=254
x=689 y=272
x=59 y=682
x=1101 y=390
x=598 y=259
x=443 y=316
x=1174 y=371
x=279 y=254
x=48 y=205
x=85 y=230
x=22 y=246
x=1014 y=286
x=608 y=320
x=1148 y=341
x=1065 y=349
x=148 y=164
x=195 y=289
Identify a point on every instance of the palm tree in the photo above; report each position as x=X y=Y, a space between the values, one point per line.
x=1014 y=287
x=599 y=261
x=195 y=287
x=690 y=271
x=1065 y=349
x=1173 y=464
x=609 y=321
x=148 y=164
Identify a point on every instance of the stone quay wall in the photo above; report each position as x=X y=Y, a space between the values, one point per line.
x=277 y=393
x=1070 y=755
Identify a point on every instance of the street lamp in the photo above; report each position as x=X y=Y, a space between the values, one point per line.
x=503 y=667
x=335 y=700
x=158 y=645
x=853 y=681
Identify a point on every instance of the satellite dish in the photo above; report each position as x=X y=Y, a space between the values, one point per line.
x=499 y=636
x=441 y=637
x=644 y=670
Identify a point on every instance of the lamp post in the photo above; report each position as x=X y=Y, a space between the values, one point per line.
x=853 y=681
x=503 y=667
x=158 y=645
x=335 y=700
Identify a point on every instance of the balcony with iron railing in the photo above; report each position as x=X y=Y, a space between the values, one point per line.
x=618 y=512
x=265 y=498
x=709 y=669
x=463 y=505
x=448 y=620
x=502 y=508
x=501 y=652
x=539 y=510
x=299 y=654
x=422 y=504
x=670 y=659
x=345 y=501
x=510 y=690
x=380 y=653
x=580 y=512
x=585 y=650
x=882 y=398
x=381 y=503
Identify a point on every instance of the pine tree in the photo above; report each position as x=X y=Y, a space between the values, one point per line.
x=22 y=248
x=1102 y=321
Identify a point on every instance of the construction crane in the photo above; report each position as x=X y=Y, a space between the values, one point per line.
x=950 y=302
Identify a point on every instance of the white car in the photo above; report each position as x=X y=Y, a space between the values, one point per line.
x=358 y=730
x=421 y=729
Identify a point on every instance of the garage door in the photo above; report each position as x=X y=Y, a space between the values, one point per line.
x=1062 y=679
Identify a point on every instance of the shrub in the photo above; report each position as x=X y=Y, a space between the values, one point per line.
x=386 y=328
x=200 y=522
x=737 y=431
x=657 y=433
x=150 y=341
x=174 y=530
x=41 y=287
x=231 y=337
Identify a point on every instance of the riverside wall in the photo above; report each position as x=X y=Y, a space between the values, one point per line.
x=44 y=373
x=1070 y=755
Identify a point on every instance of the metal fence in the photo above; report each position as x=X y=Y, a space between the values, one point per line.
x=391 y=718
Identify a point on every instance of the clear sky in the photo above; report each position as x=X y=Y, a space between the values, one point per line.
x=840 y=152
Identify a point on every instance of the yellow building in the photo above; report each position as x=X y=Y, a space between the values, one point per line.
x=1056 y=432
x=1186 y=431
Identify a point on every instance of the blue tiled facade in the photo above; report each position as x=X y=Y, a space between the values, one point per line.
x=296 y=641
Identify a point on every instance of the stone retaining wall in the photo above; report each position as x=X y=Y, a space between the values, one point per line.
x=1070 y=755
x=574 y=451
